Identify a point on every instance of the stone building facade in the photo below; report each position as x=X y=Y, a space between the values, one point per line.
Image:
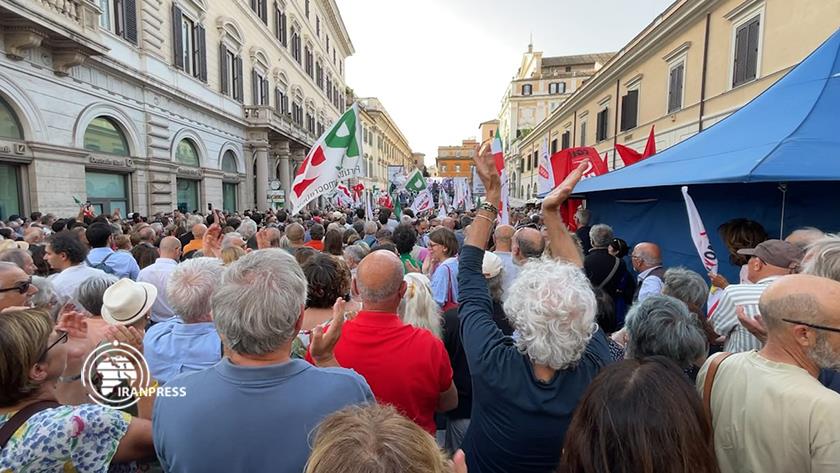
x=151 y=105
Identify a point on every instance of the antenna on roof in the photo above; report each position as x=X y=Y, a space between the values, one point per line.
x=531 y=42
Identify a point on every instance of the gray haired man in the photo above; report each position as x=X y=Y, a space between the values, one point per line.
x=257 y=407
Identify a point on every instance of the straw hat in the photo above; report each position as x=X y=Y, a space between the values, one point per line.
x=126 y=301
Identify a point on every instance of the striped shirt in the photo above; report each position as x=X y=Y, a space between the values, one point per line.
x=725 y=318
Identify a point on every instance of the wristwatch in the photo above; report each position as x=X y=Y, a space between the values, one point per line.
x=69 y=379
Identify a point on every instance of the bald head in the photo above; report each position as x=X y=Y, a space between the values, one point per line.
x=379 y=280
x=792 y=301
x=170 y=247
x=527 y=243
x=198 y=230
x=503 y=236
x=295 y=234
x=646 y=255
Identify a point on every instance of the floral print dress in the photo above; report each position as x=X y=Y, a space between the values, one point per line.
x=65 y=439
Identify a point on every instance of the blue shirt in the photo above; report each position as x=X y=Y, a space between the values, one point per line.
x=172 y=348
x=122 y=264
x=247 y=419
x=444 y=278
x=518 y=422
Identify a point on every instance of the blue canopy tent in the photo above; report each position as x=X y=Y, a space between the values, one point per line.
x=776 y=160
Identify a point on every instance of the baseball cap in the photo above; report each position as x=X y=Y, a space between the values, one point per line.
x=777 y=253
x=492 y=265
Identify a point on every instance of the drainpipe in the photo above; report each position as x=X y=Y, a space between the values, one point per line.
x=574 y=130
x=615 y=122
x=703 y=74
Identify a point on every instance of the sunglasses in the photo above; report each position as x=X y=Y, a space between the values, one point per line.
x=818 y=327
x=21 y=287
x=62 y=338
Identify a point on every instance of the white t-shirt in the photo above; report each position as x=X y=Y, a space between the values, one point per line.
x=68 y=280
x=772 y=417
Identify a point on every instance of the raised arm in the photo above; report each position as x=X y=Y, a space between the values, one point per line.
x=562 y=245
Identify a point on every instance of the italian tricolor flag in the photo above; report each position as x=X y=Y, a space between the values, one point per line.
x=334 y=157
x=499 y=159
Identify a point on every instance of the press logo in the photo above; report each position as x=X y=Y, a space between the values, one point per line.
x=116 y=375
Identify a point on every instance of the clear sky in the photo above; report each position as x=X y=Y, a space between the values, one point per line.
x=440 y=67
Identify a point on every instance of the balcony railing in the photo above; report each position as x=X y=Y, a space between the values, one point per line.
x=266 y=116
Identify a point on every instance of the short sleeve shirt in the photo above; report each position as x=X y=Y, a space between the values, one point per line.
x=405 y=366
x=67 y=438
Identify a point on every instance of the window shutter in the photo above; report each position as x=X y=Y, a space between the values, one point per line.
x=264 y=98
x=564 y=140
x=264 y=11
x=239 y=79
x=623 y=122
x=223 y=69
x=119 y=20
x=278 y=101
x=671 y=89
x=675 y=89
x=741 y=46
x=254 y=5
x=554 y=146
x=583 y=134
x=629 y=109
x=255 y=87
x=752 y=50
x=130 y=20
x=200 y=53
x=177 y=40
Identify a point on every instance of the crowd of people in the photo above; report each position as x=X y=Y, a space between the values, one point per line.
x=325 y=342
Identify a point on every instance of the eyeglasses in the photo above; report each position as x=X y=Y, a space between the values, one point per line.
x=818 y=327
x=62 y=338
x=21 y=287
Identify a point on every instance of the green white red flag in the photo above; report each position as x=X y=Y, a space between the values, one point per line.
x=335 y=157
x=499 y=159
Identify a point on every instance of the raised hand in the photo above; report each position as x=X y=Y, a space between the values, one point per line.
x=322 y=346
x=552 y=202
x=125 y=335
x=263 y=239
x=485 y=167
x=212 y=241
x=73 y=322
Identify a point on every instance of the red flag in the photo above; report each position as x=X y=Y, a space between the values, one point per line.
x=628 y=155
x=606 y=162
x=564 y=162
x=631 y=156
x=650 y=146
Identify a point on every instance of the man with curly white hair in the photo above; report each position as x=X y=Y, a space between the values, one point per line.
x=524 y=394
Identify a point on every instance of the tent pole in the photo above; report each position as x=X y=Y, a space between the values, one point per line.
x=783 y=188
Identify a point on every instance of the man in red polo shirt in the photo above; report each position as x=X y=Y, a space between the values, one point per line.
x=405 y=366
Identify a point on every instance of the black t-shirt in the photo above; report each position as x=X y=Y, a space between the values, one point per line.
x=458 y=359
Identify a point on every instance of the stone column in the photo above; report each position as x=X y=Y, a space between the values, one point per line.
x=285 y=175
x=262 y=177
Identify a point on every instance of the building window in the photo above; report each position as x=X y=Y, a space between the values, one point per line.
x=443 y=168
x=306 y=7
x=583 y=134
x=229 y=196
x=104 y=136
x=231 y=74
x=745 y=67
x=527 y=89
x=296 y=45
x=318 y=26
x=189 y=45
x=187 y=195
x=557 y=88
x=319 y=75
x=601 y=125
x=568 y=68
x=281 y=101
x=297 y=114
x=676 y=77
x=328 y=44
x=9 y=191
x=106 y=192
x=9 y=124
x=280 y=25
x=119 y=17
x=307 y=55
x=260 y=7
x=565 y=139
x=259 y=88
x=554 y=146
x=187 y=154
x=229 y=162
x=629 y=110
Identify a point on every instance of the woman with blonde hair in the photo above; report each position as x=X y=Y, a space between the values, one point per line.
x=374 y=439
x=231 y=254
x=418 y=307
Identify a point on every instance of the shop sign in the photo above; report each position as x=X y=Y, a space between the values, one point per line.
x=115 y=162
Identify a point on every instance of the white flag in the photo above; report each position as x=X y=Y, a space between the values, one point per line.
x=423 y=202
x=545 y=179
x=334 y=157
x=368 y=206
x=699 y=236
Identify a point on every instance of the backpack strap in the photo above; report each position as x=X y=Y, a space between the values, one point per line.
x=709 y=381
x=610 y=276
x=12 y=425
